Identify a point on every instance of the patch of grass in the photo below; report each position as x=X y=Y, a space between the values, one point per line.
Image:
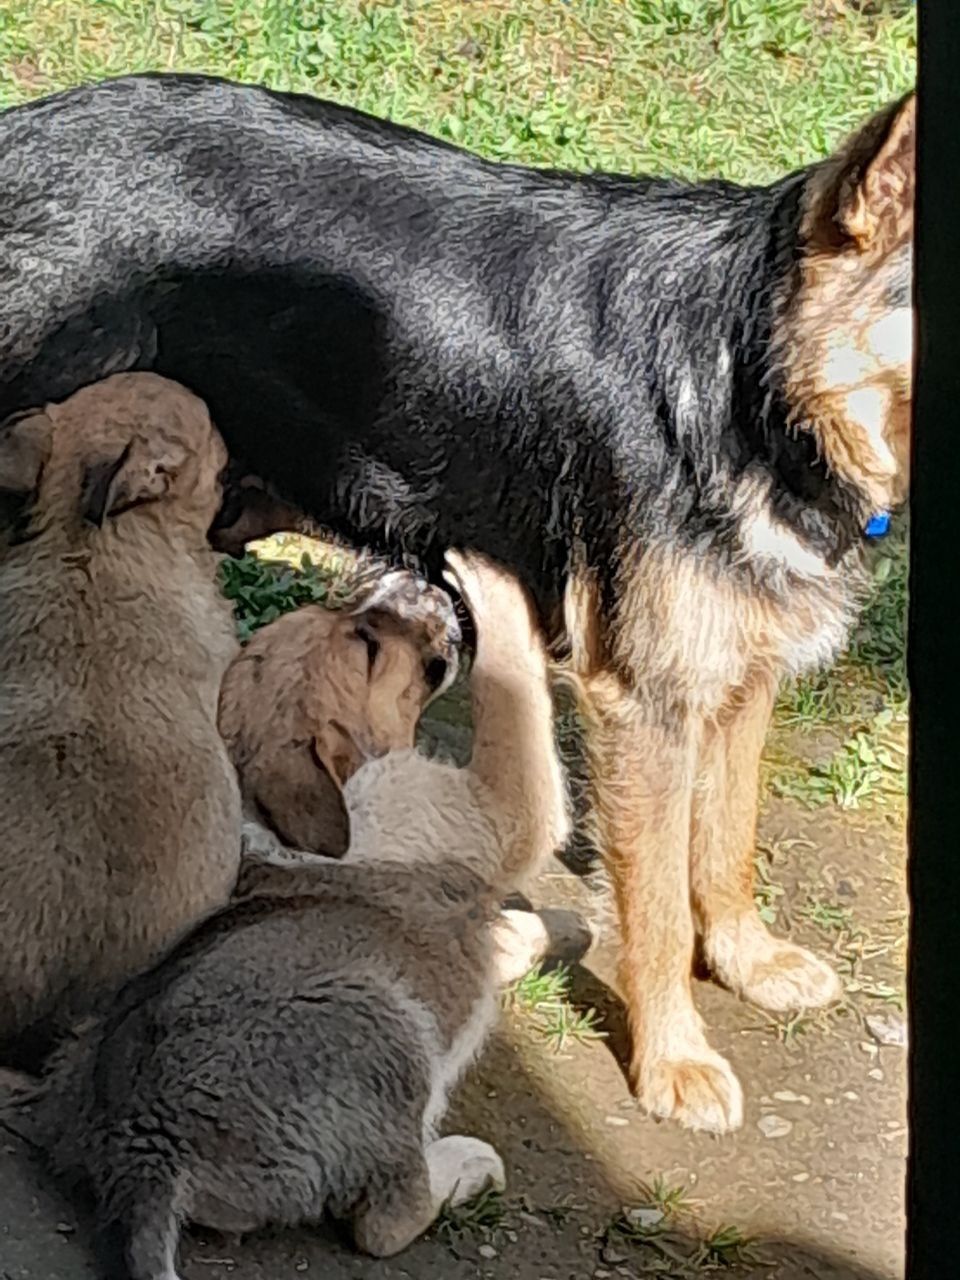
x=869 y=768
x=482 y=1216
x=261 y=590
x=544 y=993
x=831 y=917
x=663 y=1228
x=748 y=89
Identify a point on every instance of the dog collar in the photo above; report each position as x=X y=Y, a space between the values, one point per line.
x=878 y=525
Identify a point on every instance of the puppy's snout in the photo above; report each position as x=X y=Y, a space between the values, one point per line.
x=365 y=747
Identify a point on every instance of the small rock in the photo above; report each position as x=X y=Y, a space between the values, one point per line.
x=601 y=1274
x=787 y=1095
x=870 y=1049
x=774 y=1126
x=65 y=1228
x=487 y=1251
x=801 y=1177
x=851 y=1096
x=645 y=1217
x=875 y=1073
x=617 y=1121
x=301 y=1264
x=845 y=889
x=887 y=1029
x=840 y=1217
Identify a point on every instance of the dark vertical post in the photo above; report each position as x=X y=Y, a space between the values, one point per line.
x=934 y=664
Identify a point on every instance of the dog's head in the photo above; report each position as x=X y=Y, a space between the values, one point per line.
x=340 y=687
x=849 y=325
x=133 y=441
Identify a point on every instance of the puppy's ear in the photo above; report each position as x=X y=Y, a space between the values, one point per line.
x=875 y=194
x=25 y=444
x=143 y=472
x=328 y=820
x=338 y=753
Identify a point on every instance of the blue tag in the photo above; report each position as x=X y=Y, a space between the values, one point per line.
x=878 y=525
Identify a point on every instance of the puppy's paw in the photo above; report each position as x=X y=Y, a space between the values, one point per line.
x=698 y=1092
x=775 y=975
x=498 y=605
x=461 y=1167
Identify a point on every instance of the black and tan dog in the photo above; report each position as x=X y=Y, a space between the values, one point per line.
x=678 y=412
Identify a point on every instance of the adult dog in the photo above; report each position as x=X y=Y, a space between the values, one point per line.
x=676 y=411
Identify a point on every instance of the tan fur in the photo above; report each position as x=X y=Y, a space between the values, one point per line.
x=677 y=687
x=317 y=692
x=119 y=808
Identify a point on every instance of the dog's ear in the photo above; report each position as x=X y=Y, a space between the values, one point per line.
x=25 y=444
x=143 y=472
x=875 y=197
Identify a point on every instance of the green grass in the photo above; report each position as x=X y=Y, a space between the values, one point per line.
x=261 y=590
x=746 y=89
x=483 y=1217
x=544 y=993
x=661 y=1228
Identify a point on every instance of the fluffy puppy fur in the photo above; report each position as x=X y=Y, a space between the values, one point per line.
x=294 y=1055
x=317 y=692
x=119 y=808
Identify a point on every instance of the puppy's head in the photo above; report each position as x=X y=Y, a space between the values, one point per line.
x=133 y=441
x=388 y=659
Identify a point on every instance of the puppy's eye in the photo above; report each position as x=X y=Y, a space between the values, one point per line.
x=435 y=672
x=372 y=643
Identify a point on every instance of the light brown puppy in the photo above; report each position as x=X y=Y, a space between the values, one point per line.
x=317 y=692
x=119 y=808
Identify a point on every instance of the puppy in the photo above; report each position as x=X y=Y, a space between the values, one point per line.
x=319 y=691
x=119 y=807
x=295 y=1054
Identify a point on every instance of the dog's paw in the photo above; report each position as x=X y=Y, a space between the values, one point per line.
x=788 y=978
x=775 y=975
x=461 y=1168
x=697 y=1092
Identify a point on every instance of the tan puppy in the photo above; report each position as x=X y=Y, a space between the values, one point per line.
x=119 y=808
x=317 y=692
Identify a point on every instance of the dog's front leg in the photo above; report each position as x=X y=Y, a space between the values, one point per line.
x=773 y=974
x=642 y=762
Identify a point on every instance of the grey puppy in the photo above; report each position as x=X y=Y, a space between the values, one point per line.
x=294 y=1056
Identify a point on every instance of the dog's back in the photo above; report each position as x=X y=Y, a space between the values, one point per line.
x=118 y=806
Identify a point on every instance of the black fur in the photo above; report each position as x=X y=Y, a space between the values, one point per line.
x=418 y=347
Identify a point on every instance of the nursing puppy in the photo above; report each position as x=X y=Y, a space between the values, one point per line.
x=317 y=692
x=294 y=1055
x=119 y=807
x=678 y=411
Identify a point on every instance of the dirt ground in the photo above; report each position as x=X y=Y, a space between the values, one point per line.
x=812 y=1186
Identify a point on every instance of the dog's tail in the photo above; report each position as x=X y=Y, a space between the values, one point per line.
x=138 y=1228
